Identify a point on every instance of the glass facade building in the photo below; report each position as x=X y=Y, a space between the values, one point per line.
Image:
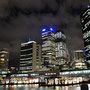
x=85 y=21
x=48 y=49
x=4 y=57
x=30 y=58
x=62 y=55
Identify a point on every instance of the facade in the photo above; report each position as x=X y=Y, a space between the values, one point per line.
x=78 y=54
x=30 y=58
x=62 y=55
x=48 y=49
x=85 y=21
x=4 y=57
x=79 y=60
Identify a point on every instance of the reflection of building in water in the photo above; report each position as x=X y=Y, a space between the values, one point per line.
x=4 y=56
x=62 y=55
x=79 y=61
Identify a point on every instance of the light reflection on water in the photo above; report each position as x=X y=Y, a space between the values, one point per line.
x=36 y=87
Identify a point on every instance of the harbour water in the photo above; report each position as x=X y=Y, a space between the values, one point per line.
x=36 y=87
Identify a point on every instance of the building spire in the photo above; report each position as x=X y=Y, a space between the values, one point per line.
x=29 y=39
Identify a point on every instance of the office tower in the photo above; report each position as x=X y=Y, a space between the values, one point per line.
x=4 y=57
x=48 y=48
x=30 y=58
x=79 y=60
x=78 y=54
x=85 y=21
x=62 y=55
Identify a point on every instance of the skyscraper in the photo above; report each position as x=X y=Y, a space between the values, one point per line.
x=62 y=55
x=30 y=58
x=79 y=60
x=4 y=57
x=78 y=54
x=85 y=21
x=48 y=48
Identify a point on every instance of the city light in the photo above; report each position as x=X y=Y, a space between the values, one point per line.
x=49 y=63
x=44 y=29
x=51 y=29
x=29 y=41
x=81 y=50
x=88 y=6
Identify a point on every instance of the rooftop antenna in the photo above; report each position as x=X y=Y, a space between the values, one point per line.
x=29 y=39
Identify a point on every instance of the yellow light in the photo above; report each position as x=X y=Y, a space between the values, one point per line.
x=2 y=59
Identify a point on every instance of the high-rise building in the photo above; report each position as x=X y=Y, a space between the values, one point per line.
x=48 y=48
x=4 y=57
x=79 y=60
x=30 y=58
x=62 y=55
x=78 y=54
x=85 y=21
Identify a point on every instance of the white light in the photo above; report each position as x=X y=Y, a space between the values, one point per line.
x=29 y=41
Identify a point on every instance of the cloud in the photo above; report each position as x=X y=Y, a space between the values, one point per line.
x=3 y=8
x=21 y=20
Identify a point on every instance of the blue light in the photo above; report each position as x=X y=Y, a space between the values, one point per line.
x=88 y=6
x=29 y=41
x=51 y=29
x=44 y=29
x=81 y=50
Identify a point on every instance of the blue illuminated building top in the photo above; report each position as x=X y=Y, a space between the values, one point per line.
x=29 y=41
x=81 y=50
x=88 y=6
x=51 y=29
x=44 y=30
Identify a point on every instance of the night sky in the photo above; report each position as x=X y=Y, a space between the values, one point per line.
x=23 y=19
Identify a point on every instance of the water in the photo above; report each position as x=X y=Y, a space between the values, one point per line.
x=36 y=87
